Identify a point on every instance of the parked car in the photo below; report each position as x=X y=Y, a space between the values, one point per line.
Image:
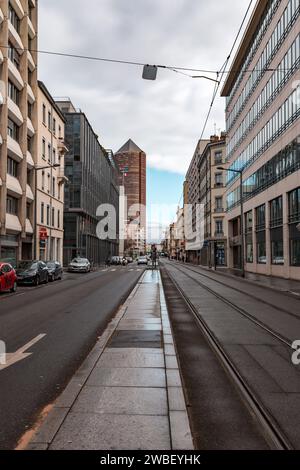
x=142 y=260
x=129 y=259
x=32 y=272
x=79 y=265
x=8 y=277
x=115 y=260
x=55 y=270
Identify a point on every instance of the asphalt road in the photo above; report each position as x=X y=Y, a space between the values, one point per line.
x=71 y=314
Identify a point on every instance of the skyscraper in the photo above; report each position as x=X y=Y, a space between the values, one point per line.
x=132 y=164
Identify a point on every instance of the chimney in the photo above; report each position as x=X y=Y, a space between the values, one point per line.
x=214 y=138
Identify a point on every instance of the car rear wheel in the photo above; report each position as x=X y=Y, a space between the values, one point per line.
x=36 y=281
x=14 y=288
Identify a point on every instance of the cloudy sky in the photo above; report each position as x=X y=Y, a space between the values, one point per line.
x=164 y=117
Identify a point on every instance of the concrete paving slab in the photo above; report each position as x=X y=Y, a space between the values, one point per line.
x=173 y=378
x=128 y=377
x=130 y=358
x=122 y=400
x=89 y=431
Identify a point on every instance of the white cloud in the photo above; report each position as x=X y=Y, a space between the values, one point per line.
x=164 y=117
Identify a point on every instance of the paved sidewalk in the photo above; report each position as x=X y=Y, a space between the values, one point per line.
x=128 y=392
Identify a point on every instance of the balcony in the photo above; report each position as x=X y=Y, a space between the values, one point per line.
x=31 y=30
x=61 y=177
x=31 y=63
x=30 y=128
x=29 y=193
x=14 y=149
x=62 y=148
x=15 y=38
x=29 y=159
x=15 y=76
x=14 y=112
x=12 y=223
x=30 y=94
x=219 y=234
x=17 y=6
x=13 y=186
x=219 y=210
x=28 y=227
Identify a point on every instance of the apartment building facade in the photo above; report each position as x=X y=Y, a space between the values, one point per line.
x=212 y=198
x=192 y=201
x=92 y=181
x=18 y=124
x=263 y=127
x=50 y=178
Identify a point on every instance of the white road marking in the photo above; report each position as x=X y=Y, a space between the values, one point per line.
x=20 y=354
x=113 y=270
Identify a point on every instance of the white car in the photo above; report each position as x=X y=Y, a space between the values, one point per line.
x=142 y=260
x=79 y=265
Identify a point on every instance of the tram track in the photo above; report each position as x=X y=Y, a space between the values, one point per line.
x=274 y=435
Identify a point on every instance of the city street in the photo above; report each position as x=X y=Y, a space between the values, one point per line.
x=71 y=314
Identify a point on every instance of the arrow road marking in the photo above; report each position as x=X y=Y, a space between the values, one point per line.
x=20 y=354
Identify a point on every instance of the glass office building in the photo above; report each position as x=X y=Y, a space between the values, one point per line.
x=262 y=94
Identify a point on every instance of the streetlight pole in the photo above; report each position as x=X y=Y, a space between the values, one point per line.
x=240 y=173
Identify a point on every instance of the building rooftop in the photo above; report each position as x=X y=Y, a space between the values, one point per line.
x=130 y=146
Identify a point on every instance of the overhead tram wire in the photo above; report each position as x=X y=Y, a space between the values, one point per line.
x=177 y=69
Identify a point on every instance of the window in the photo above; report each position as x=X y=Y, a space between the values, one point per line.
x=53 y=187
x=59 y=131
x=14 y=19
x=44 y=114
x=13 y=130
x=49 y=153
x=12 y=167
x=29 y=109
x=28 y=210
x=53 y=217
x=49 y=182
x=277 y=252
x=58 y=219
x=48 y=215
x=218 y=179
x=44 y=149
x=261 y=251
x=13 y=55
x=29 y=143
x=13 y=92
x=219 y=204
x=249 y=236
x=276 y=213
x=219 y=227
x=43 y=180
x=294 y=206
x=295 y=252
x=42 y=212
x=261 y=217
x=218 y=158
x=12 y=205
x=54 y=126
x=49 y=120
x=54 y=157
